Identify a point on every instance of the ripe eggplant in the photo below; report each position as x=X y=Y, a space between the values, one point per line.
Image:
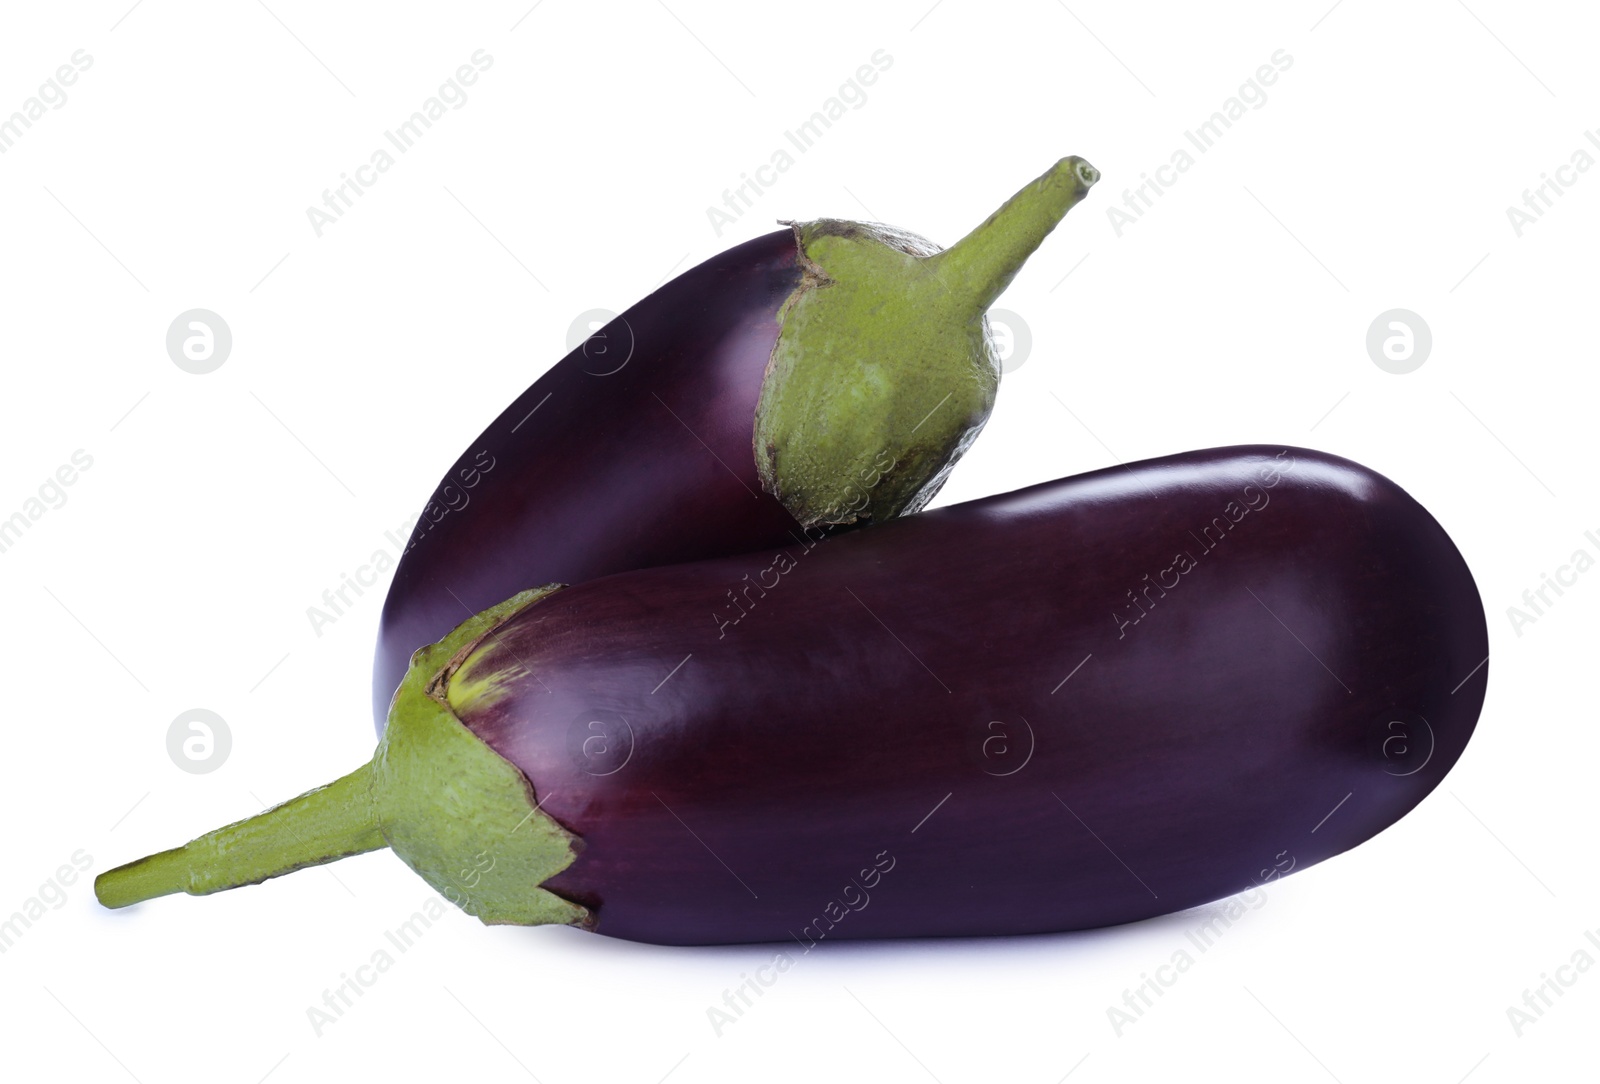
x=826 y=374
x=1079 y=704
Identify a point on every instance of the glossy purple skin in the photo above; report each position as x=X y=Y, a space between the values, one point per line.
x=598 y=468
x=963 y=696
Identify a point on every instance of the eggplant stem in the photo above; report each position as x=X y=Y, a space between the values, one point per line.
x=885 y=368
x=982 y=264
x=455 y=811
x=321 y=825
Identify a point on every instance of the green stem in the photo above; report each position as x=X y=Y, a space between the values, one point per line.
x=322 y=825
x=982 y=264
x=884 y=369
x=448 y=805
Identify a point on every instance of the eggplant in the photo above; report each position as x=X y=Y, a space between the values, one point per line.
x=826 y=374
x=1079 y=704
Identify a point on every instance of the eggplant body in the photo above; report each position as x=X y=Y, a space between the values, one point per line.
x=821 y=376
x=1079 y=704
x=633 y=451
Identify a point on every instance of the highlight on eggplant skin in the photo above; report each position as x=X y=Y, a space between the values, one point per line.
x=1084 y=703
x=859 y=354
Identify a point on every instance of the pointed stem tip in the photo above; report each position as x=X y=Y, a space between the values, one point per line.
x=983 y=263
x=320 y=826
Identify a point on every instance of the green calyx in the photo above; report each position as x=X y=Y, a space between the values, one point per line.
x=456 y=812
x=885 y=370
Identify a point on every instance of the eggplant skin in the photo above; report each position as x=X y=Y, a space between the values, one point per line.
x=1022 y=714
x=635 y=456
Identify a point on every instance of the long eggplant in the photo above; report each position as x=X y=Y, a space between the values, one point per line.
x=1084 y=703
x=830 y=373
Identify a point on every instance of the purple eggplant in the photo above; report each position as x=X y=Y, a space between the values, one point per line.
x=830 y=373
x=1079 y=704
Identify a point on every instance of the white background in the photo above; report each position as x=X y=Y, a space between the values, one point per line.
x=219 y=507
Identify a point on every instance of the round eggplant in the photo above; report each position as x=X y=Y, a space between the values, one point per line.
x=1083 y=703
x=826 y=374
